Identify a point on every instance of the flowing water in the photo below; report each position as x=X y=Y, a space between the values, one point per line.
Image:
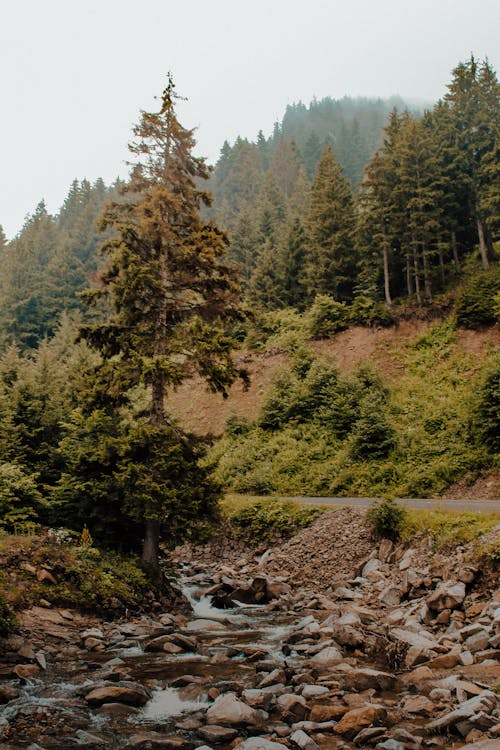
x=231 y=645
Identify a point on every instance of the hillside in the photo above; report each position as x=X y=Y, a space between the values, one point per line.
x=205 y=413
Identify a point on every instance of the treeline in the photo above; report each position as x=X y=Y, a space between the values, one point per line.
x=50 y=261
x=427 y=196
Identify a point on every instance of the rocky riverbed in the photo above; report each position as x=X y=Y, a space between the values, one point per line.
x=311 y=645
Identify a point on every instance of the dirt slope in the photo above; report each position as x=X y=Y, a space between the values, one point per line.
x=204 y=413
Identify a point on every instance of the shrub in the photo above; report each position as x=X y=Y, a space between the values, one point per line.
x=386 y=518
x=366 y=311
x=476 y=306
x=20 y=500
x=258 y=520
x=373 y=435
x=326 y=317
x=7 y=620
x=486 y=409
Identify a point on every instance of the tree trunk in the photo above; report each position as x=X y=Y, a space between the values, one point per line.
x=427 y=275
x=150 y=550
x=483 y=247
x=387 y=287
x=409 y=280
x=454 y=247
x=441 y=264
x=417 y=278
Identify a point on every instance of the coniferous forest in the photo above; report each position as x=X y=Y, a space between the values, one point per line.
x=352 y=212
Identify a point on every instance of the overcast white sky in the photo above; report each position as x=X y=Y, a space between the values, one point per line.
x=76 y=73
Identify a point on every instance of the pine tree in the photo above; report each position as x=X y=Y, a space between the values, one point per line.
x=170 y=292
x=474 y=99
x=330 y=263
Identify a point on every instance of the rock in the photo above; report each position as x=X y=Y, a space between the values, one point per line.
x=478 y=641
x=346 y=635
x=25 y=671
x=341 y=592
x=273 y=678
x=41 y=660
x=312 y=691
x=292 y=705
x=4 y=727
x=327 y=657
x=385 y=550
x=153 y=740
x=369 y=736
x=485 y=702
x=132 y=694
x=482 y=745
x=350 y=724
x=214 y=733
x=205 y=625
x=92 y=633
x=370 y=566
x=302 y=740
x=445 y=661
x=85 y=738
x=26 y=651
x=45 y=577
x=447 y=595
x=418 y=704
x=366 y=679
x=8 y=693
x=259 y=743
x=257 y=698
x=228 y=709
x=390 y=596
x=466 y=658
x=326 y=712
x=390 y=744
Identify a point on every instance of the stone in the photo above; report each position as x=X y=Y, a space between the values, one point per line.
x=273 y=678
x=390 y=596
x=346 y=635
x=327 y=657
x=259 y=743
x=228 y=709
x=26 y=651
x=45 y=577
x=445 y=661
x=390 y=744
x=366 y=679
x=257 y=698
x=484 y=702
x=153 y=740
x=369 y=736
x=447 y=595
x=25 y=671
x=418 y=704
x=370 y=566
x=385 y=550
x=326 y=712
x=302 y=740
x=350 y=724
x=205 y=625
x=478 y=641
x=85 y=738
x=312 y=691
x=132 y=694
x=466 y=658
x=293 y=705
x=214 y=733
x=4 y=727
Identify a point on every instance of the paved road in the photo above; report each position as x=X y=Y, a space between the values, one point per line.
x=483 y=506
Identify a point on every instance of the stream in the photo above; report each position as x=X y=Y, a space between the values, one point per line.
x=231 y=647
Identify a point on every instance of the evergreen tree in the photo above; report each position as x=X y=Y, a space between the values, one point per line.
x=330 y=264
x=170 y=292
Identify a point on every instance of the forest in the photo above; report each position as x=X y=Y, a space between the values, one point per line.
x=353 y=212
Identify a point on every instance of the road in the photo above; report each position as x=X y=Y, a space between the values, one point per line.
x=482 y=506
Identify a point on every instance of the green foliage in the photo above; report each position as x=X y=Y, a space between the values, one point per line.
x=326 y=317
x=7 y=619
x=373 y=437
x=447 y=527
x=386 y=519
x=476 y=300
x=264 y=518
x=20 y=500
x=486 y=409
x=365 y=311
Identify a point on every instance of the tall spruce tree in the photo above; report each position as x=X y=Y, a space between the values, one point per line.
x=170 y=291
x=330 y=265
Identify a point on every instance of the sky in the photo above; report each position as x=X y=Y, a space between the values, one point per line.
x=75 y=75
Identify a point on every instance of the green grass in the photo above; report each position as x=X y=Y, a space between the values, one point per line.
x=448 y=528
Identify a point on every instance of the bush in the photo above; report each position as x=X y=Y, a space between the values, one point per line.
x=7 y=620
x=366 y=311
x=486 y=409
x=326 y=317
x=259 y=520
x=386 y=518
x=476 y=305
x=373 y=436
x=20 y=500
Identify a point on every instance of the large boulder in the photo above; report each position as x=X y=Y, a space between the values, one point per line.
x=133 y=694
x=350 y=724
